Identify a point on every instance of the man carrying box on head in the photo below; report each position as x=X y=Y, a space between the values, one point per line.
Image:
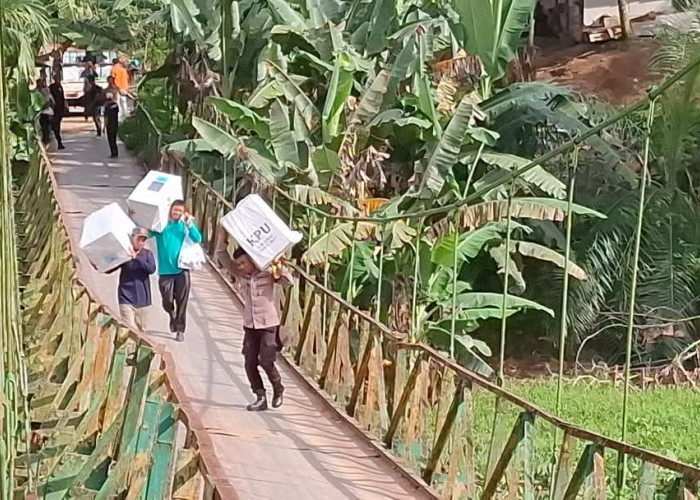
x=261 y=325
x=174 y=282
x=134 y=292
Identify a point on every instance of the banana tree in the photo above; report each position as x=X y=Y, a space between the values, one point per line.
x=493 y=30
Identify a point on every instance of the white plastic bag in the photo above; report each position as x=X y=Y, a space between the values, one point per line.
x=191 y=254
x=259 y=230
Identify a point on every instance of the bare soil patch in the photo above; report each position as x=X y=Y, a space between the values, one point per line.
x=616 y=72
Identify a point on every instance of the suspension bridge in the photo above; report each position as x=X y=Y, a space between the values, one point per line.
x=113 y=413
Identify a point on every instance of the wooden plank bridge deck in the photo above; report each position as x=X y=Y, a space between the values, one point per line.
x=302 y=450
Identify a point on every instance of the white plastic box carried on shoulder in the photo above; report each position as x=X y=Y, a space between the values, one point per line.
x=259 y=230
x=150 y=200
x=106 y=237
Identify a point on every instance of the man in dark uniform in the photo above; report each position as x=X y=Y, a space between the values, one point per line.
x=112 y=123
x=60 y=108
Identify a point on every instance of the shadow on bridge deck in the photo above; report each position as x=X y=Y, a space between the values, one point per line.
x=302 y=450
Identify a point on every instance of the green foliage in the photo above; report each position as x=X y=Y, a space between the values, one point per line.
x=27 y=27
x=494 y=33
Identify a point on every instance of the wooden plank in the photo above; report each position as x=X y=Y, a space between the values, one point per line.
x=416 y=412
x=92 y=331
x=115 y=393
x=74 y=370
x=306 y=324
x=400 y=411
x=133 y=419
x=584 y=468
x=469 y=467
x=73 y=469
x=346 y=371
x=60 y=481
x=362 y=369
x=143 y=459
x=136 y=398
x=316 y=347
x=528 y=458
x=501 y=464
x=187 y=484
x=647 y=481
x=453 y=487
x=499 y=435
x=444 y=433
x=401 y=372
x=688 y=489
x=159 y=479
x=564 y=463
x=381 y=385
x=331 y=354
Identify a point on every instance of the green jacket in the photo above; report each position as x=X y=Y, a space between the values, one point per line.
x=169 y=242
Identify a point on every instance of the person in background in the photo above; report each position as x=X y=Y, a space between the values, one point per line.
x=134 y=67
x=261 y=323
x=111 y=87
x=121 y=81
x=111 y=123
x=89 y=73
x=95 y=99
x=60 y=108
x=46 y=114
x=57 y=63
x=134 y=293
x=174 y=282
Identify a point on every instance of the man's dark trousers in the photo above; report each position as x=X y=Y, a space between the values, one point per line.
x=45 y=123
x=56 y=125
x=175 y=291
x=260 y=349
x=112 y=131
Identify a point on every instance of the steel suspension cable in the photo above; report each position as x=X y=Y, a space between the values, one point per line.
x=563 y=326
x=504 y=304
x=622 y=459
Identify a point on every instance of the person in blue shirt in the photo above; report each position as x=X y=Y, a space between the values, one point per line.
x=134 y=293
x=174 y=282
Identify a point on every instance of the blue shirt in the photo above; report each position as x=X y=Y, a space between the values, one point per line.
x=134 y=279
x=169 y=243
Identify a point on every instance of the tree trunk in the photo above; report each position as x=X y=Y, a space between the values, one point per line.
x=623 y=11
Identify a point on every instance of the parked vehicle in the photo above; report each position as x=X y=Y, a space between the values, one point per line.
x=74 y=63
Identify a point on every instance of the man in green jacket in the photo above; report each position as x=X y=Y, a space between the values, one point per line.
x=174 y=282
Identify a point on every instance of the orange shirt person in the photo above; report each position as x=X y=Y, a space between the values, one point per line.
x=120 y=75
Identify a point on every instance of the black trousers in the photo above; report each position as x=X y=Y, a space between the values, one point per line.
x=260 y=349
x=97 y=119
x=57 y=119
x=112 y=139
x=175 y=291
x=45 y=125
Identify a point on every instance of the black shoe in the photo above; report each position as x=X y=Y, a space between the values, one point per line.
x=180 y=336
x=259 y=405
x=114 y=156
x=278 y=398
x=61 y=146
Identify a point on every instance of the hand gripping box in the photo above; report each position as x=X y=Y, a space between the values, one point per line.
x=259 y=230
x=106 y=237
x=150 y=201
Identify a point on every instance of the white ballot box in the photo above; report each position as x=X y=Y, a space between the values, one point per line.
x=150 y=200
x=259 y=230
x=106 y=237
